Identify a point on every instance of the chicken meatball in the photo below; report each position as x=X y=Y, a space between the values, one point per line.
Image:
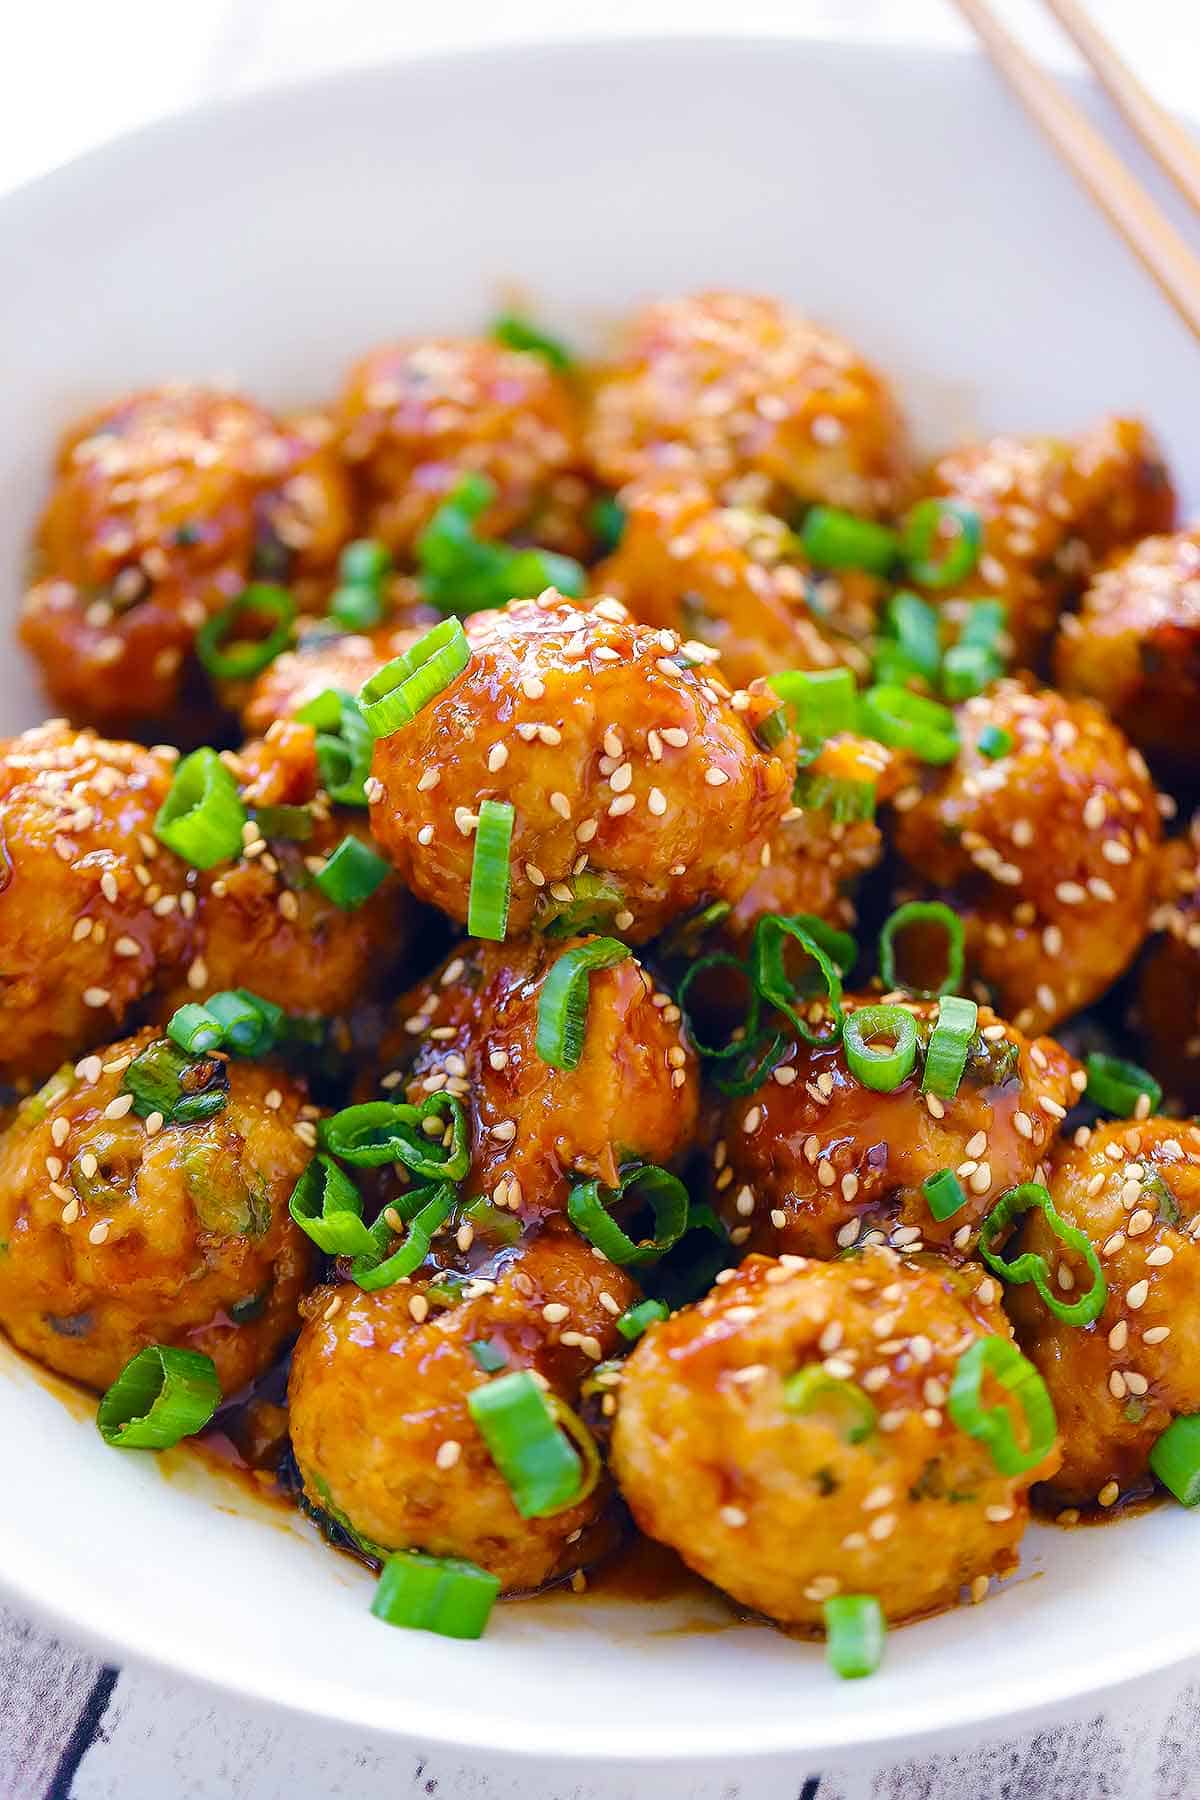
x=728 y=577
x=815 y=1161
x=90 y=907
x=1051 y=509
x=120 y=1231
x=1135 y=646
x=160 y=506
x=621 y=759
x=1133 y=1189
x=1043 y=841
x=471 y=1029
x=1169 y=980
x=784 y=1491
x=380 y=1426
x=416 y=417
x=762 y=405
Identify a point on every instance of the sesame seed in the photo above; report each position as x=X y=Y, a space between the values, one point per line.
x=197 y=974
x=96 y=996
x=733 y=1516
x=715 y=777
x=1160 y=1256
x=99 y=1232
x=554 y=1312
x=1136 y=1296
x=1155 y=1334
x=1139 y=1222
x=448 y=1453
x=1118 y=1337
x=752 y=1120
x=334 y=1307
x=117 y=1108
x=425 y=835
x=1109 y=1494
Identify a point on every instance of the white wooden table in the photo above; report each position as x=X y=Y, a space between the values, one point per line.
x=72 y=73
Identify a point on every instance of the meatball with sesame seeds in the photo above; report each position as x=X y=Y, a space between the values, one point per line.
x=415 y=417
x=788 y=1437
x=120 y=1231
x=761 y=404
x=1134 y=645
x=378 y=1393
x=92 y=907
x=161 y=504
x=1132 y=1188
x=1050 y=510
x=623 y=760
x=471 y=1028
x=1168 y=997
x=729 y=577
x=1041 y=834
x=814 y=1161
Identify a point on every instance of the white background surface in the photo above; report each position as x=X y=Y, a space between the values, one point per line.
x=71 y=75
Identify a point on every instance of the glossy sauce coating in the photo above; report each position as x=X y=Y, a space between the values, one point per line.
x=775 y=1506
x=1168 y=998
x=119 y=1232
x=342 y=660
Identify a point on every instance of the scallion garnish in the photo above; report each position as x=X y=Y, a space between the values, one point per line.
x=1120 y=1087
x=876 y=1066
x=363 y=567
x=907 y=721
x=846 y=802
x=182 y=1088
x=563 y=1001
x=352 y=874
x=491 y=875
x=227 y=659
x=821 y=701
x=913 y=642
x=293 y=823
x=1032 y=1265
x=993 y=1425
x=395 y=694
x=923 y=912
x=944 y=1194
x=518 y=333
x=344 y=745
x=328 y=1207
x=194 y=1029
x=161 y=1395
x=377 y=1132
x=375 y=1268
x=588 y=1208
x=202 y=816
x=823 y=945
x=1175 y=1459
x=994 y=741
x=812 y=1389
x=855 y=1635
x=442 y=1594
x=833 y=539
x=607 y=520
x=940 y=542
x=968 y=669
x=637 y=1319
x=462 y=573
x=949 y=1042
x=250 y=1025
x=543 y=1469
x=486 y=1355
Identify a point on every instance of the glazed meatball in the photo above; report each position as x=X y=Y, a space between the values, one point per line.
x=262 y=922
x=161 y=504
x=378 y=1400
x=621 y=759
x=774 y=1504
x=728 y=577
x=415 y=417
x=1045 y=850
x=121 y=1231
x=471 y=1029
x=342 y=660
x=1135 y=646
x=1134 y=1190
x=762 y=405
x=90 y=902
x=1169 y=979
x=815 y=1161
x=1051 y=509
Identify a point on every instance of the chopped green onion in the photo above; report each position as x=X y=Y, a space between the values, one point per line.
x=588 y=1208
x=493 y=1221
x=294 y=823
x=1120 y=1087
x=949 y=1042
x=719 y=959
x=352 y=874
x=914 y=641
x=813 y=1390
x=442 y=1594
x=517 y=333
x=833 y=539
x=771 y=731
x=395 y=694
x=878 y=1068
x=607 y=520
x=375 y=1269
x=923 y=912
x=377 y=1132
x=822 y=702
x=194 y=1029
x=462 y=573
x=183 y=1089
x=356 y=608
x=1032 y=1266
x=755 y=1062
x=544 y=1471
x=202 y=816
x=237 y=661
x=595 y=898
x=486 y=1355
x=563 y=1002
x=1175 y=1459
x=968 y=669
x=938 y=558
x=855 y=1634
x=993 y=1425
x=822 y=944
x=365 y=563
x=344 y=745
x=994 y=741
x=491 y=875
x=161 y=1395
x=944 y=1193
x=906 y=721
x=985 y=625
x=250 y=1025
x=636 y=1319
x=328 y=1207
x=846 y=802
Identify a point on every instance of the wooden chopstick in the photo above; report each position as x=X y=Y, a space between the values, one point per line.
x=1147 y=231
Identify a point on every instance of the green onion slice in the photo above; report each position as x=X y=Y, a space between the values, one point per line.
x=365 y=563
x=202 y=816
x=352 y=874
x=486 y=1356
x=944 y=1193
x=161 y=1395
x=344 y=744
x=968 y=669
x=1175 y=1459
x=563 y=1001
x=771 y=731
x=923 y=912
x=544 y=1471
x=588 y=1208
x=1032 y=1266
x=994 y=741
x=913 y=628
x=949 y=1043
x=882 y=1069
x=938 y=557
x=757 y=1060
x=518 y=333
x=637 y=1319
x=906 y=721
x=993 y=1425
x=855 y=1635
x=389 y=1131
x=985 y=625
x=375 y=1268
x=462 y=573
x=357 y=607
x=846 y=802
x=395 y=694
x=822 y=702
x=491 y=874
x=442 y=1594
x=328 y=1207
x=293 y=823
x=811 y=1390
x=493 y=1221
x=826 y=947
x=1118 y=1087
x=719 y=959
x=184 y=1089
x=227 y=659
x=833 y=539
x=607 y=520
x=194 y=1029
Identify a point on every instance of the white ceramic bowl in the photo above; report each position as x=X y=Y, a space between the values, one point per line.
x=894 y=194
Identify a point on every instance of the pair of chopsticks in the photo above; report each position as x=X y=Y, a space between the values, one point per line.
x=1147 y=231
